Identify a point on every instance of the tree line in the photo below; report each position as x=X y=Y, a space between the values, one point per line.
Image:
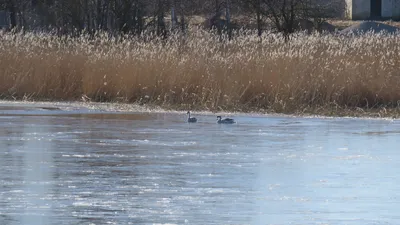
x=162 y=16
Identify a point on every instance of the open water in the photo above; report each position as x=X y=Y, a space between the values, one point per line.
x=78 y=166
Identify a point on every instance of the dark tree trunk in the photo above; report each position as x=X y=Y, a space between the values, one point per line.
x=13 y=13
x=99 y=15
x=259 y=20
x=139 y=23
x=161 y=27
x=183 y=25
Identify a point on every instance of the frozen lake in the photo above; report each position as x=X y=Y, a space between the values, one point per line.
x=81 y=166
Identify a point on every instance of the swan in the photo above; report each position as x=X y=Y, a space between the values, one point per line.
x=191 y=119
x=226 y=120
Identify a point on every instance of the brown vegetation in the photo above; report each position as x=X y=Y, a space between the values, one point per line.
x=317 y=73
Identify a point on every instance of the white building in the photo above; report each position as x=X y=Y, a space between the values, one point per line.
x=373 y=9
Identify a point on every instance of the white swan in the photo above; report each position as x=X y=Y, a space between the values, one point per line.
x=191 y=119
x=225 y=121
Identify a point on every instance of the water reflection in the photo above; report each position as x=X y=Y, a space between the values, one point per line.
x=37 y=178
x=27 y=165
x=97 y=168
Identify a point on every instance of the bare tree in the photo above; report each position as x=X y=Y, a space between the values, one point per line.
x=185 y=9
x=255 y=6
x=286 y=14
x=321 y=10
x=135 y=16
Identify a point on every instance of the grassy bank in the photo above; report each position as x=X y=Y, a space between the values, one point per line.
x=310 y=74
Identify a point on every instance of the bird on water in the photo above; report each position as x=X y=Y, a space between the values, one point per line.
x=225 y=121
x=191 y=119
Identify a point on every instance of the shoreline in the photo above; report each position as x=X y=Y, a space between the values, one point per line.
x=118 y=107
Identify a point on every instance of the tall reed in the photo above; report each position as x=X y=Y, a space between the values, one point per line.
x=201 y=71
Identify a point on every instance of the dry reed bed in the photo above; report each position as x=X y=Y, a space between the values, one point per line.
x=309 y=73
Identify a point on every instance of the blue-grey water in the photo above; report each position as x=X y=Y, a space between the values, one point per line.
x=78 y=166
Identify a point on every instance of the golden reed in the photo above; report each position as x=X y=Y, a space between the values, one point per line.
x=201 y=71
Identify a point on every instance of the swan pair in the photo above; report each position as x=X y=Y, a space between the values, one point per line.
x=219 y=119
